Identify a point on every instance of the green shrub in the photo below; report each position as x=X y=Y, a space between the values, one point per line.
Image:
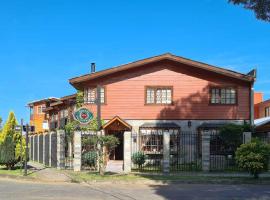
x=138 y=158
x=89 y=158
x=7 y=153
x=253 y=157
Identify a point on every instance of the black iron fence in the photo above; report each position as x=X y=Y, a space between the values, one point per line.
x=222 y=152
x=185 y=151
x=147 y=148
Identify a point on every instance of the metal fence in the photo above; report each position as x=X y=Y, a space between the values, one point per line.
x=47 y=146
x=54 y=150
x=185 y=151
x=40 y=146
x=147 y=150
x=35 y=148
x=222 y=152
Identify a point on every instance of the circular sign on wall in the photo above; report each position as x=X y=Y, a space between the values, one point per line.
x=83 y=115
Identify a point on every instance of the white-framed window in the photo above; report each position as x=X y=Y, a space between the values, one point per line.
x=64 y=113
x=54 y=117
x=40 y=109
x=158 y=95
x=227 y=96
x=90 y=95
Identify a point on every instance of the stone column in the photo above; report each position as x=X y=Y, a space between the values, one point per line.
x=206 y=151
x=37 y=147
x=60 y=149
x=166 y=152
x=44 y=148
x=50 y=149
x=127 y=151
x=77 y=161
x=246 y=137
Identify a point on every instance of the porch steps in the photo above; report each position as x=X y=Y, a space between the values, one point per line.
x=115 y=166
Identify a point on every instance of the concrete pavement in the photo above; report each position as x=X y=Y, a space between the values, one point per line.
x=16 y=190
x=47 y=174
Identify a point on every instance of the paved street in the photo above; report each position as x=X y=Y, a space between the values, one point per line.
x=17 y=190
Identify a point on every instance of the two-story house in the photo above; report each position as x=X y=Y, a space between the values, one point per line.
x=167 y=92
x=38 y=117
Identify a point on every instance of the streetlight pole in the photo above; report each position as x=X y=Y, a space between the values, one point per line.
x=21 y=156
x=26 y=150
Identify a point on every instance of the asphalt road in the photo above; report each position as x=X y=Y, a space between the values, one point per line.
x=17 y=190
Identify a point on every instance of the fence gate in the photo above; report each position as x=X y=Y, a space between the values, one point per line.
x=185 y=151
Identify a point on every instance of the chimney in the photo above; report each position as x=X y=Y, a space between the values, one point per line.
x=93 y=68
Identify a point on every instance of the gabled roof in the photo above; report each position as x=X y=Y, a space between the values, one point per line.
x=49 y=99
x=117 y=118
x=167 y=56
x=60 y=101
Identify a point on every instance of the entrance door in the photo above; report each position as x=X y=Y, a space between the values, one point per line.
x=118 y=152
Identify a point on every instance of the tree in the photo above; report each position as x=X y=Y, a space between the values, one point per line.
x=260 y=7
x=103 y=145
x=79 y=99
x=8 y=131
x=9 y=128
x=253 y=157
x=7 y=153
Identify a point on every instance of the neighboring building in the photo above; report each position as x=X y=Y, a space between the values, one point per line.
x=61 y=111
x=166 y=92
x=38 y=117
x=261 y=107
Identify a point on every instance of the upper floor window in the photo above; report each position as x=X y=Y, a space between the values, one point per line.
x=64 y=113
x=90 y=95
x=223 y=96
x=40 y=109
x=267 y=112
x=158 y=95
x=54 y=117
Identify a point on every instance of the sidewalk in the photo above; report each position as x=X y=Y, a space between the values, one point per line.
x=47 y=174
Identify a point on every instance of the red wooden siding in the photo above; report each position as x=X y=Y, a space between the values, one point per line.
x=125 y=93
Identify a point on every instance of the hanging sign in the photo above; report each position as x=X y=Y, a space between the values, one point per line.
x=83 y=115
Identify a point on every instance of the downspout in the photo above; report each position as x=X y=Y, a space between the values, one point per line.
x=253 y=74
x=252 y=105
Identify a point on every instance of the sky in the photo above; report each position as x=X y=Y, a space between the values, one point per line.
x=44 y=43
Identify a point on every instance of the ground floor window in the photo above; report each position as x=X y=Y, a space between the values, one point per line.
x=151 y=139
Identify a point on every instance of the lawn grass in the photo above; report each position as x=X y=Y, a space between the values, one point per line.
x=16 y=171
x=200 y=179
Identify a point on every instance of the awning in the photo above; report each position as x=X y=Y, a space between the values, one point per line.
x=160 y=125
x=261 y=121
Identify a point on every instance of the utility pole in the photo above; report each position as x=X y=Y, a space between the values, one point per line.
x=98 y=108
x=21 y=156
x=26 y=150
